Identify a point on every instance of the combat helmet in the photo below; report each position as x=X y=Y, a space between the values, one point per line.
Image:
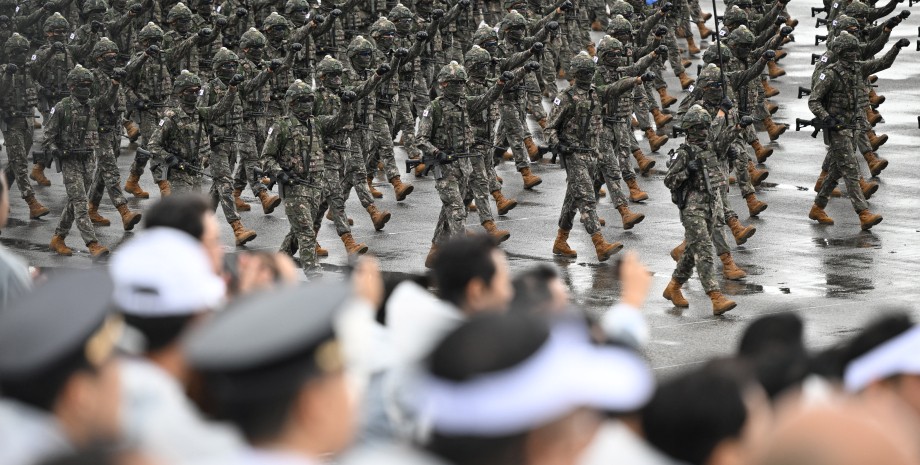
x=857 y=9
x=16 y=42
x=845 y=42
x=185 y=80
x=619 y=26
x=582 y=63
x=711 y=55
x=294 y=6
x=79 y=74
x=329 y=65
x=399 y=12
x=56 y=21
x=696 y=116
x=513 y=19
x=150 y=31
x=845 y=23
x=741 y=36
x=296 y=90
x=607 y=45
x=105 y=45
x=382 y=26
x=452 y=72
x=735 y=17
x=484 y=34
x=273 y=20
x=359 y=44
x=95 y=6
x=252 y=37
x=477 y=56
x=621 y=8
x=711 y=73
x=179 y=11
x=223 y=56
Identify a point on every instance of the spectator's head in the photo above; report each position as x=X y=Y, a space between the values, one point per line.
x=192 y=214
x=4 y=199
x=709 y=416
x=774 y=347
x=472 y=274
x=541 y=291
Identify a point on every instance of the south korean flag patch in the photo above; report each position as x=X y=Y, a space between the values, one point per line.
x=425 y=113
x=823 y=59
x=690 y=89
x=822 y=76
x=271 y=130
x=594 y=58
x=162 y=122
x=557 y=102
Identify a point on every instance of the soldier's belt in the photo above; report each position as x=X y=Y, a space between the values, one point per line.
x=582 y=150
x=249 y=114
x=17 y=114
x=156 y=105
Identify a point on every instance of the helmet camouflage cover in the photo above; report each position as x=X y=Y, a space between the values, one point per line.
x=180 y=11
x=273 y=20
x=224 y=55
x=514 y=19
x=252 y=37
x=359 y=44
x=696 y=116
x=104 y=46
x=857 y=8
x=711 y=73
x=711 y=54
x=185 y=80
x=477 y=56
x=607 y=45
x=79 y=74
x=399 y=12
x=741 y=36
x=296 y=90
x=55 y=21
x=582 y=63
x=382 y=26
x=452 y=72
x=16 y=42
x=621 y=8
x=845 y=23
x=484 y=34
x=845 y=42
x=150 y=31
x=329 y=65
x=619 y=25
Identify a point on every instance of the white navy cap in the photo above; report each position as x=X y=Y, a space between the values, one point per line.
x=897 y=356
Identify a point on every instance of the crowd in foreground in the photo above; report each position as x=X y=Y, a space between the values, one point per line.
x=205 y=358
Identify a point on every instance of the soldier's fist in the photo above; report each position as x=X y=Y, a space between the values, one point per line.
x=336 y=13
x=668 y=6
x=536 y=48
x=892 y=22
x=221 y=22
x=662 y=50
x=97 y=27
x=319 y=19
x=532 y=66
x=119 y=74
x=567 y=6
x=464 y=4
x=383 y=69
x=241 y=12
x=421 y=35
x=401 y=52
x=11 y=68
x=205 y=32
x=275 y=64
x=135 y=9
x=152 y=51
x=296 y=47
x=648 y=76
x=769 y=55
x=904 y=14
x=661 y=31
x=507 y=76
x=237 y=79
x=780 y=19
x=349 y=96
x=746 y=121
x=437 y=14
x=57 y=47
x=552 y=26
x=902 y=42
x=726 y=104
x=4 y=19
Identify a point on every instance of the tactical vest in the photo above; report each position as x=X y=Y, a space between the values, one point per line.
x=188 y=61
x=483 y=122
x=109 y=118
x=302 y=153
x=154 y=82
x=189 y=140
x=78 y=124
x=585 y=124
x=256 y=102
x=451 y=131
x=53 y=75
x=227 y=127
x=22 y=99
x=843 y=101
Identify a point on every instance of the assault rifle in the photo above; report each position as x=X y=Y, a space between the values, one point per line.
x=434 y=162
x=45 y=157
x=819 y=126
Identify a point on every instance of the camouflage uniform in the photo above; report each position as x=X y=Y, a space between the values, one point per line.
x=122 y=26
x=184 y=41
x=276 y=28
x=18 y=98
x=255 y=111
x=51 y=63
x=206 y=18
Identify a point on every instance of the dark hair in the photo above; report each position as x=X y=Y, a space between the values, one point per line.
x=158 y=332
x=531 y=290
x=878 y=332
x=184 y=212
x=691 y=414
x=460 y=261
x=783 y=329
x=392 y=280
x=41 y=389
x=773 y=345
x=101 y=454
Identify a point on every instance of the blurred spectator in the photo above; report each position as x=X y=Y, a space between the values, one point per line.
x=624 y=323
x=540 y=290
x=101 y=455
x=15 y=279
x=192 y=214
x=472 y=274
x=775 y=348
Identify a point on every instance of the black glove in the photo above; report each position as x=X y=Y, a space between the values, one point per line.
x=904 y=14
x=464 y=4
x=421 y=36
x=746 y=121
x=668 y=6
x=241 y=12
x=11 y=68
x=785 y=31
x=661 y=31
x=205 y=33
x=136 y=9
x=507 y=76
x=648 y=76
x=780 y=19
x=892 y=22
x=296 y=47
x=335 y=13
x=172 y=161
x=57 y=47
x=769 y=55
x=275 y=64
x=695 y=165
x=50 y=7
x=140 y=105
x=152 y=51
x=536 y=48
x=662 y=50
x=383 y=69
x=437 y=14
x=726 y=105
x=221 y=22
x=832 y=122
x=562 y=148
x=349 y=96
x=119 y=74
x=237 y=79
x=532 y=66
x=283 y=178
x=552 y=26
x=901 y=43
x=567 y=6
x=401 y=52
x=97 y=27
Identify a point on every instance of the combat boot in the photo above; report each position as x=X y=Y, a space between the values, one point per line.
x=59 y=247
x=692 y=48
x=132 y=130
x=757 y=175
x=604 y=249
x=379 y=218
x=820 y=182
x=666 y=100
x=242 y=234
x=685 y=81
x=720 y=304
x=596 y=26
x=661 y=119
x=729 y=269
x=269 y=202
x=678 y=251
x=774 y=70
x=873 y=117
x=818 y=214
x=868 y=188
x=499 y=235
x=129 y=219
x=774 y=130
x=875 y=140
x=351 y=222
x=133 y=187
x=241 y=205
x=165 y=189
x=772 y=108
x=780 y=54
x=374 y=192
x=95 y=217
x=503 y=204
x=508 y=155
x=791 y=22
x=645 y=163
x=655 y=141
x=561 y=246
x=741 y=232
x=38 y=175
x=755 y=206
x=686 y=63
x=630 y=218
x=534 y=152
x=530 y=180
x=352 y=247
x=320 y=252
x=672 y=293
x=761 y=152
x=705 y=32
x=97 y=251
x=876 y=163
x=875 y=99
x=873 y=78
x=868 y=219
x=591 y=48
x=419 y=170
x=472 y=207
x=601 y=192
x=432 y=254
x=402 y=190
x=634 y=122
x=36 y=209
x=635 y=194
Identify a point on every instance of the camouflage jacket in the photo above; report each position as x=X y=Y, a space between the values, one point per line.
x=18 y=93
x=843 y=92
x=73 y=125
x=577 y=114
x=184 y=50
x=149 y=79
x=109 y=116
x=185 y=134
x=484 y=121
x=227 y=127
x=701 y=195
x=446 y=126
x=50 y=68
x=621 y=108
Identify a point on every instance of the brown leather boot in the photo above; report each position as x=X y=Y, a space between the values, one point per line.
x=761 y=152
x=692 y=48
x=868 y=188
x=530 y=180
x=772 y=108
x=561 y=246
x=132 y=130
x=36 y=209
x=59 y=247
x=672 y=293
x=129 y=219
x=780 y=54
x=351 y=246
x=630 y=218
x=634 y=121
x=472 y=207
x=133 y=187
x=655 y=141
x=635 y=194
x=755 y=206
x=678 y=251
x=757 y=175
x=876 y=163
x=685 y=81
x=876 y=140
x=873 y=78
x=774 y=70
x=269 y=202
x=503 y=204
x=868 y=219
x=661 y=119
x=666 y=100
x=729 y=269
x=38 y=175
x=241 y=205
x=818 y=214
x=379 y=218
x=720 y=304
x=97 y=251
x=604 y=249
x=432 y=253
x=242 y=234
x=165 y=189
x=321 y=252
x=95 y=217
x=874 y=98
x=591 y=48
x=645 y=163
x=499 y=235
x=774 y=130
x=792 y=22
x=601 y=192
x=686 y=63
x=533 y=151
x=821 y=177
x=374 y=192
x=596 y=26
x=873 y=117
x=402 y=190
x=419 y=170
x=741 y=232
x=705 y=32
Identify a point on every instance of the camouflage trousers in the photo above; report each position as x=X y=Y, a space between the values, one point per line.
x=719 y=238
x=403 y=120
x=597 y=11
x=674 y=57
x=738 y=162
x=644 y=104
x=250 y=148
x=699 y=225
x=184 y=182
x=106 y=177
x=510 y=133
x=18 y=140
x=453 y=212
x=843 y=164
x=333 y=197
x=355 y=174
x=482 y=182
x=223 y=155
x=78 y=173
x=379 y=148
x=300 y=206
x=696 y=13
x=580 y=169
x=608 y=166
x=147 y=120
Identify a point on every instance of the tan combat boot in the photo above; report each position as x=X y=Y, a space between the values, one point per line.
x=672 y=293
x=868 y=188
x=720 y=304
x=59 y=247
x=402 y=190
x=133 y=187
x=774 y=130
x=320 y=252
x=661 y=119
x=729 y=269
x=820 y=182
x=503 y=204
x=707 y=16
x=38 y=175
x=874 y=98
x=604 y=249
x=655 y=141
x=818 y=214
x=269 y=202
x=630 y=218
x=755 y=206
x=873 y=78
x=242 y=234
x=761 y=152
x=768 y=90
x=472 y=207
x=772 y=108
x=419 y=170
x=873 y=116
x=95 y=217
x=432 y=254
x=97 y=251
x=241 y=205
x=705 y=32
x=876 y=140
x=678 y=251
x=741 y=232
x=508 y=155
x=129 y=219
x=374 y=192
x=876 y=163
x=596 y=26
x=666 y=100
x=685 y=81
x=591 y=48
x=868 y=219
x=601 y=192
x=561 y=246
x=757 y=175
x=774 y=70
x=352 y=247
x=635 y=194
x=692 y=48
x=500 y=235
x=36 y=209
x=645 y=163
x=792 y=22
x=165 y=189
x=533 y=150
x=379 y=218
x=530 y=180
x=686 y=63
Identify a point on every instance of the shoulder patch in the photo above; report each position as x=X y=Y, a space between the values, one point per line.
x=722 y=33
x=836 y=4
x=34 y=57
x=557 y=102
x=690 y=89
x=201 y=91
x=219 y=7
x=425 y=113
x=822 y=76
x=271 y=130
x=72 y=35
x=162 y=122
x=594 y=58
x=675 y=155
x=823 y=58
x=52 y=111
